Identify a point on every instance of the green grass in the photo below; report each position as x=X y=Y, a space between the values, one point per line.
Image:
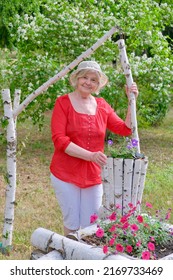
x=36 y=202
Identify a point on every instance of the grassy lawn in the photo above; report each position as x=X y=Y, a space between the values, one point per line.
x=36 y=202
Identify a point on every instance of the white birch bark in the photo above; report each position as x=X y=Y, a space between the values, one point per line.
x=44 y=240
x=129 y=80
x=136 y=180
x=144 y=165
x=108 y=183
x=127 y=184
x=62 y=73
x=11 y=170
x=118 y=183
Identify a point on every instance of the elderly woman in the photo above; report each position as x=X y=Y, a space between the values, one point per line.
x=79 y=123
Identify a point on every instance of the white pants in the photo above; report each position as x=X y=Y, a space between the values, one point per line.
x=77 y=204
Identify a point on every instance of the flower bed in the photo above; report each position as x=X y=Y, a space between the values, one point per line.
x=140 y=236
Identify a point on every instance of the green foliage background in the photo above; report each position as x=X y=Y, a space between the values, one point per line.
x=39 y=37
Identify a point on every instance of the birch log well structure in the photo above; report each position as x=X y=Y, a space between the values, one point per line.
x=11 y=111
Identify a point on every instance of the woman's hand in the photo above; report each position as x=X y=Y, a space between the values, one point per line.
x=133 y=89
x=99 y=158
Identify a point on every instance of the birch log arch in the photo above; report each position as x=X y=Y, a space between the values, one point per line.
x=13 y=109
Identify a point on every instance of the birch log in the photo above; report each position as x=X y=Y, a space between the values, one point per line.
x=129 y=80
x=62 y=73
x=44 y=240
x=11 y=170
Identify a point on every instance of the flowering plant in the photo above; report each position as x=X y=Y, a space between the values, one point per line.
x=134 y=234
x=127 y=150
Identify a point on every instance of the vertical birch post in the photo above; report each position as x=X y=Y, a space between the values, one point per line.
x=129 y=81
x=11 y=170
x=10 y=113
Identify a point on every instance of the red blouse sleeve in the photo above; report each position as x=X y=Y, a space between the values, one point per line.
x=58 y=124
x=116 y=124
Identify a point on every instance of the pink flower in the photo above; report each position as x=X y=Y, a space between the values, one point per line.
x=140 y=219
x=129 y=248
x=138 y=244
x=151 y=246
x=113 y=228
x=134 y=227
x=123 y=219
x=149 y=205
x=119 y=247
x=125 y=225
x=152 y=238
x=118 y=206
x=111 y=241
x=105 y=249
x=168 y=215
x=146 y=255
x=112 y=217
x=130 y=205
x=100 y=233
x=93 y=218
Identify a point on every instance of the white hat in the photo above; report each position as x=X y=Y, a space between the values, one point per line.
x=90 y=65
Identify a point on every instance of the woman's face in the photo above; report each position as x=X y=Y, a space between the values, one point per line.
x=88 y=83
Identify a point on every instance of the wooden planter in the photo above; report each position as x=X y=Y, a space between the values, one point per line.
x=123 y=183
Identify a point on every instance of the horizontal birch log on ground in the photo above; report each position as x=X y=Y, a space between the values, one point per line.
x=70 y=249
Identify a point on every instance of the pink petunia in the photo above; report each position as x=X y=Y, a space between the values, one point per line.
x=105 y=249
x=125 y=225
x=100 y=233
x=93 y=218
x=111 y=241
x=168 y=215
x=123 y=219
x=130 y=205
x=146 y=255
x=129 y=248
x=151 y=246
x=119 y=248
x=134 y=227
x=113 y=228
x=138 y=244
x=140 y=219
x=118 y=206
x=149 y=205
x=112 y=217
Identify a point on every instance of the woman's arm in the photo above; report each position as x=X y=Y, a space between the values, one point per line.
x=76 y=151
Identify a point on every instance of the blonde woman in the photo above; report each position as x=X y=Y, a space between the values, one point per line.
x=79 y=123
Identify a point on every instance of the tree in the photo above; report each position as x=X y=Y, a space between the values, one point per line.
x=46 y=35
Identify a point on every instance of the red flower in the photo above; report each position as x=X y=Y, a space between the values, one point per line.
x=119 y=248
x=100 y=233
x=111 y=241
x=93 y=218
x=149 y=205
x=105 y=249
x=134 y=227
x=168 y=215
x=123 y=219
x=125 y=225
x=140 y=219
x=138 y=244
x=129 y=248
x=151 y=246
x=113 y=228
x=130 y=205
x=146 y=255
x=112 y=217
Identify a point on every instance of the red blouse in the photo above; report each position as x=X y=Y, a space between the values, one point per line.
x=87 y=131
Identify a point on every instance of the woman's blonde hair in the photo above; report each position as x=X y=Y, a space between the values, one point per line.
x=81 y=74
